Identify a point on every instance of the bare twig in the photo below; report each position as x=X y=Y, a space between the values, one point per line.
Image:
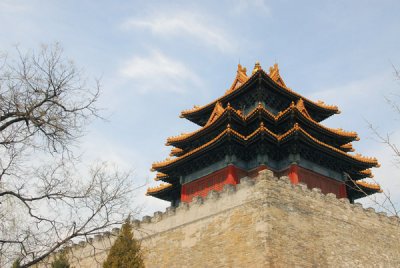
x=45 y=105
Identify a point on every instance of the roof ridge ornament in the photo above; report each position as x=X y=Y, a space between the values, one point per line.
x=256 y=68
x=300 y=106
x=274 y=75
x=218 y=110
x=240 y=79
x=241 y=70
x=245 y=108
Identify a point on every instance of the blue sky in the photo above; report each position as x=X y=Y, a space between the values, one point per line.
x=156 y=58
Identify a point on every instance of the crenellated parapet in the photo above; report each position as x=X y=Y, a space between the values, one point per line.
x=247 y=212
x=249 y=190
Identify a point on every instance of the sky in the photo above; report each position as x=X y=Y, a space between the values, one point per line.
x=157 y=58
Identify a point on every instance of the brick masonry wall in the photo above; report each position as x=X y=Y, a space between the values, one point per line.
x=266 y=222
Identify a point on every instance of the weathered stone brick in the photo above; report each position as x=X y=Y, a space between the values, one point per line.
x=262 y=225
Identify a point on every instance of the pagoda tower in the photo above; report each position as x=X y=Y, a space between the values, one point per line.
x=260 y=123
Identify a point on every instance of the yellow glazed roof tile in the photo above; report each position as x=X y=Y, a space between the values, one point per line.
x=176 y=151
x=372 y=186
x=262 y=128
x=274 y=75
x=184 y=136
x=218 y=111
x=367 y=172
x=347 y=146
x=160 y=176
x=240 y=79
x=162 y=186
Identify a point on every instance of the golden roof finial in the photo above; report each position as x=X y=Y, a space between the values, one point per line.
x=257 y=67
x=241 y=70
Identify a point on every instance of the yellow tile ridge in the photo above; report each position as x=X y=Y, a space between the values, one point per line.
x=296 y=128
x=372 y=186
x=240 y=79
x=260 y=107
x=257 y=67
x=367 y=172
x=359 y=157
x=293 y=106
x=161 y=175
x=228 y=130
x=302 y=109
x=172 y=160
x=162 y=186
x=275 y=76
x=347 y=146
x=175 y=151
x=217 y=112
x=184 y=136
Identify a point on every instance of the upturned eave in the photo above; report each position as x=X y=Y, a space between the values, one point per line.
x=198 y=110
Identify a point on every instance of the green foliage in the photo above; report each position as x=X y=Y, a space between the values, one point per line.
x=16 y=263
x=125 y=253
x=61 y=261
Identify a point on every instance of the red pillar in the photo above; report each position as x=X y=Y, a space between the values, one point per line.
x=262 y=167
x=342 y=191
x=293 y=174
x=231 y=177
x=184 y=197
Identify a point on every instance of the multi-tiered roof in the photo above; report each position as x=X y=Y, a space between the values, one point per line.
x=259 y=119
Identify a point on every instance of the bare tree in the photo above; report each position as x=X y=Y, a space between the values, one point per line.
x=386 y=202
x=45 y=203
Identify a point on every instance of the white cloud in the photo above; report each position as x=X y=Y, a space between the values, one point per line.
x=363 y=100
x=242 y=5
x=185 y=23
x=387 y=176
x=359 y=100
x=351 y=93
x=158 y=72
x=99 y=148
x=7 y=6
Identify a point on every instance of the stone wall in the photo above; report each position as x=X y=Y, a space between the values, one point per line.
x=262 y=222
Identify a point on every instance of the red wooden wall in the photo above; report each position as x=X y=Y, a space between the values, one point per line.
x=216 y=181
x=232 y=175
x=315 y=180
